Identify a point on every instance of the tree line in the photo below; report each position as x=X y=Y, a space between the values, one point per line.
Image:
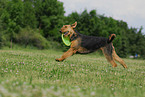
x=36 y=23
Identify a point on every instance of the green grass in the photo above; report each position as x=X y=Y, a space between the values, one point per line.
x=35 y=73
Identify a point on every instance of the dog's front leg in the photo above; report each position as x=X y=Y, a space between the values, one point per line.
x=70 y=52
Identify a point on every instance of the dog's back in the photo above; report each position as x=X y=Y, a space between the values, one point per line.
x=93 y=43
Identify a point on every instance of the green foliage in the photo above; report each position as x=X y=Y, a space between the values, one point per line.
x=32 y=37
x=15 y=10
x=1 y=40
x=29 y=18
x=50 y=15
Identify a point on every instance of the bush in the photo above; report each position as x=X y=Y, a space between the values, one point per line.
x=28 y=36
x=0 y=39
x=3 y=39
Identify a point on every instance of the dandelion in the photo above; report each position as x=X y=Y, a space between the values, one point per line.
x=78 y=89
x=5 y=71
x=17 y=83
x=52 y=87
x=72 y=65
x=140 y=86
x=24 y=83
x=92 y=93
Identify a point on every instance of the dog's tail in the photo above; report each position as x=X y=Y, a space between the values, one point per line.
x=111 y=38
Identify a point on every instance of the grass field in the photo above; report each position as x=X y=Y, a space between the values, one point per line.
x=35 y=73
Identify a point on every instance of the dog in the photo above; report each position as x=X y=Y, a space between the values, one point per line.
x=87 y=44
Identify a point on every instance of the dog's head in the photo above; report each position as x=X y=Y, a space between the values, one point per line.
x=68 y=30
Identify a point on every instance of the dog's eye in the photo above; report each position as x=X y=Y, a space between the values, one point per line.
x=65 y=26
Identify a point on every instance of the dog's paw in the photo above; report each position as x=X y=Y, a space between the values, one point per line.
x=58 y=60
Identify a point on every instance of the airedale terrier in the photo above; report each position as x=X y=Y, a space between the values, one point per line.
x=86 y=44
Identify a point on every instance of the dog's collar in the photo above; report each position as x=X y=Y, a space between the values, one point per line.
x=73 y=37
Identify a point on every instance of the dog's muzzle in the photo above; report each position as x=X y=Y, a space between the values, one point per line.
x=66 y=33
x=60 y=31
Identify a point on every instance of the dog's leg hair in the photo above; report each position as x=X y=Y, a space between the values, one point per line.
x=117 y=58
x=108 y=57
x=69 y=53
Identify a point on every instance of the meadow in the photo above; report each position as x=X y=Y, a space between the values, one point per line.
x=35 y=73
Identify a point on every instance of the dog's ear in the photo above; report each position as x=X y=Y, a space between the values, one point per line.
x=74 y=25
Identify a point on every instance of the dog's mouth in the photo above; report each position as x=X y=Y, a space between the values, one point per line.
x=66 y=33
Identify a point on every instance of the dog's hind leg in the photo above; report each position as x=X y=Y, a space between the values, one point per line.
x=107 y=53
x=67 y=54
x=117 y=58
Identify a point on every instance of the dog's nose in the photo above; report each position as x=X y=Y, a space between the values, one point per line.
x=60 y=31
